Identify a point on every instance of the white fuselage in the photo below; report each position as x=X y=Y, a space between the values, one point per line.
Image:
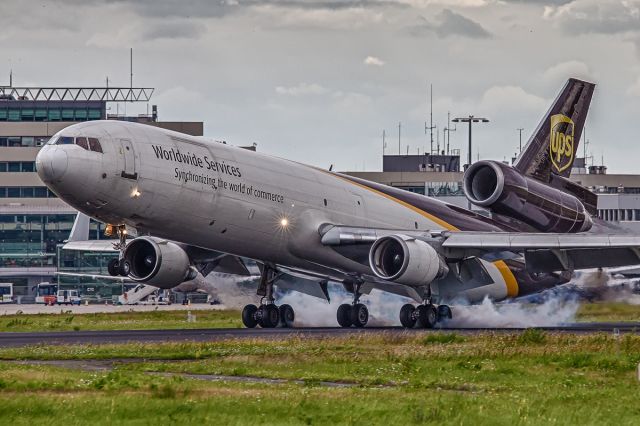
x=219 y=197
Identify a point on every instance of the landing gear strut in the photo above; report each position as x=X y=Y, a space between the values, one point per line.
x=355 y=314
x=426 y=315
x=268 y=315
x=119 y=266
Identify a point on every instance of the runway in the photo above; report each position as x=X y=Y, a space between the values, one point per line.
x=212 y=335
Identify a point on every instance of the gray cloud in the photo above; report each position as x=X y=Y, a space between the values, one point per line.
x=449 y=23
x=240 y=67
x=595 y=16
x=182 y=29
x=220 y=8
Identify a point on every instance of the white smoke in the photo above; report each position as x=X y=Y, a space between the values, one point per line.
x=553 y=312
x=384 y=308
x=557 y=308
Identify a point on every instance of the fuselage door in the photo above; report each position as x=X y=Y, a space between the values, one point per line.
x=128 y=160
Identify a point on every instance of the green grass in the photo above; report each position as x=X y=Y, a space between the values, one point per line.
x=65 y=321
x=438 y=378
x=608 y=311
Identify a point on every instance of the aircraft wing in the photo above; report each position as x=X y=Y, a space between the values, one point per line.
x=91 y=245
x=543 y=252
x=94 y=276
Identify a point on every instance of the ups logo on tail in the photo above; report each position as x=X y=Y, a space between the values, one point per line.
x=561 y=142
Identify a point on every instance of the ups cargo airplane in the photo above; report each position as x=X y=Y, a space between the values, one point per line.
x=198 y=206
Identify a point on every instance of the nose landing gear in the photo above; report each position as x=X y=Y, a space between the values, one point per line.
x=119 y=266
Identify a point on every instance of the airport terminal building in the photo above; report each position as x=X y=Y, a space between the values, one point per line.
x=33 y=221
x=440 y=176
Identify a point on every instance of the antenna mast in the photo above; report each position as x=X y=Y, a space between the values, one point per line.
x=431 y=126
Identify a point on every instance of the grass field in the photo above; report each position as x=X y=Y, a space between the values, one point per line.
x=119 y=321
x=438 y=378
x=63 y=321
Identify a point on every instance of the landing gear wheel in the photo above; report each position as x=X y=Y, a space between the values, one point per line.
x=124 y=268
x=407 y=317
x=359 y=315
x=344 y=315
x=444 y=312
x=287 y=316
x=427 y=316
x=270 y=316
x=249 y=316
x=113 y=267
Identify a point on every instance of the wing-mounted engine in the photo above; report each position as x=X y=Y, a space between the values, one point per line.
x=505 y=191
x=158 y=262
x=406 y=260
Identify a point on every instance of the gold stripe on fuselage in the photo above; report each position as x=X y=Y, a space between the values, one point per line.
x=507 y=274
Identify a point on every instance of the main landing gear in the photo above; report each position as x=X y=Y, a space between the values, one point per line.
x=426 y=315
x=355 y=314
x=268 y=315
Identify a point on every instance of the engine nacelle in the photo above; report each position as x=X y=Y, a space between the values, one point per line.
x=503 y=190
x=405 y=260
x=158 y=262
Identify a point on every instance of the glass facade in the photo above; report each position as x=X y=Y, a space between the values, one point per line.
x=30 y=240
x=87 y=262
x=17 y=166
x=26 y=192
x=13 y=111
x=23 y=141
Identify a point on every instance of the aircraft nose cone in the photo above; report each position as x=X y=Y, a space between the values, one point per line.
x=51 y=163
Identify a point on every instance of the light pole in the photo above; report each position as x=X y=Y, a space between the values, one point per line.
x=470 y=119
x=520 y=129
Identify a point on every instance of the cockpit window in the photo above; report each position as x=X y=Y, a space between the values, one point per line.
x=64 y=140
x=94 y=145
x=82 y=142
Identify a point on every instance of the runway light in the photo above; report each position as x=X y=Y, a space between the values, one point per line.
x=136 y=193
x=284 y=222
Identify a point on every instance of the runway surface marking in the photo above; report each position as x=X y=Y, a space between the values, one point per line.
x=12 y=339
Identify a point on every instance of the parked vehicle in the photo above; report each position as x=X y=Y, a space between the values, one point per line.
x=6 y=292
x=68 y=297
x=47 y=293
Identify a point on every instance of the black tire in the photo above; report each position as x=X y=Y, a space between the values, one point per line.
x=427 y=316
x=444 y=312
x=270 y=316
x=249 y=317
x=113 y=267
x=287 y=316
x=407 y=318
x=124 y=268
x=344 y=315
x=359 y=315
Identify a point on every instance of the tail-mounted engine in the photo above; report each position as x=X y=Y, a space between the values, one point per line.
x=406 y=260
x=158 y=262
x=503 y=190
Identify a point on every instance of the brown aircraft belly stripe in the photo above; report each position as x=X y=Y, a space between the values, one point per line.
x=509 y=279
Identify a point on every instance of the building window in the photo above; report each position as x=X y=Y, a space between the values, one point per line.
x=26 y=192
x=17 y=166
x=24 y=141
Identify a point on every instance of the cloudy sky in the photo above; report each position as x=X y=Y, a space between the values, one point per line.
x=317 y=81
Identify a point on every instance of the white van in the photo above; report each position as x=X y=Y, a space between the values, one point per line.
x=68 y=297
